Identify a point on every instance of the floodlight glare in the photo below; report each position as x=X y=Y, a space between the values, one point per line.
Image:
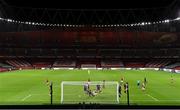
x=9 y=20
x=178 y=18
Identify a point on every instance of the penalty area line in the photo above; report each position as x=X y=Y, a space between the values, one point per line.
x=152 y=97
x=26 y=97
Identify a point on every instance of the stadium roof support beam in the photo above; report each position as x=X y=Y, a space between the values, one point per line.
x=90 y=16
x=3 y=10
x=82 y=16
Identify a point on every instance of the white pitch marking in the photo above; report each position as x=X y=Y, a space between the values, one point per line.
x=26 y=97
x=151 y=100
x=152 y=97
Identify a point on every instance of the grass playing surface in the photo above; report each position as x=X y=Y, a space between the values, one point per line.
x=28 y=86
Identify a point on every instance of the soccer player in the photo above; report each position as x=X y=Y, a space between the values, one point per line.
x=143 y=87
x=47 y=82
x=88 y=83
x=86 y=88
x=122 y=80
x=103 y=83
x=138 y=83
x=98 y=88
x=145 y=81
x=89 y=80
x=126 y=86
x=91 y=93
x=94 y=93
x=172 y=79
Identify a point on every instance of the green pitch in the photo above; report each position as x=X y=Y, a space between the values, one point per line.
x=29 y=87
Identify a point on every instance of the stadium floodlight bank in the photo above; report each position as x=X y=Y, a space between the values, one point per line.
x=72 y=92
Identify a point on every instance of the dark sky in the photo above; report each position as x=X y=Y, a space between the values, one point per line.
x=89 y=4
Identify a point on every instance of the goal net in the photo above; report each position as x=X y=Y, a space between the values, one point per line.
x=73 y=92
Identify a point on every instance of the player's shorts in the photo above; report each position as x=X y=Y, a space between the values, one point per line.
x=94 y=93
x=143 y=88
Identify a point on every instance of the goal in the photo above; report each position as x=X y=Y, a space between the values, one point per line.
x=72 y=92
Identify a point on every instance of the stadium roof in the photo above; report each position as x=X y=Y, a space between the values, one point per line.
x=89 y=12
x=89 y=4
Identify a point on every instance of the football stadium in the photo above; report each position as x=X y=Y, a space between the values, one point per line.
x=90 y=58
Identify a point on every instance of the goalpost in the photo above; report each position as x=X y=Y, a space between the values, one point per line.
x=73 y=92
